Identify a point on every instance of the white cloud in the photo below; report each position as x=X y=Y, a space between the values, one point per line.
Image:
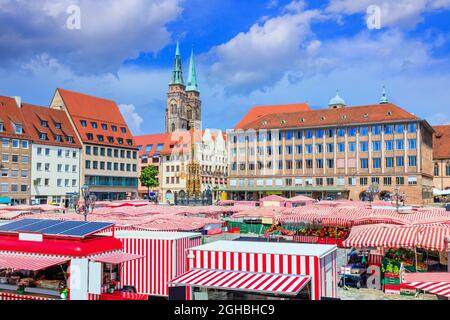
x=133 y=119
x=406 y=13
x=259 y=57
x=111 y=31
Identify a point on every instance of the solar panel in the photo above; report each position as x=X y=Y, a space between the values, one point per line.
x=77 y=229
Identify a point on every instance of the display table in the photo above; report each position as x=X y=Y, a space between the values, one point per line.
x=123 y=296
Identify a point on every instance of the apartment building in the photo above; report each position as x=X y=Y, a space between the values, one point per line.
x=441 y=155
x=336 y=152
x=55 y=155
x=15 y=151
x=109 y=153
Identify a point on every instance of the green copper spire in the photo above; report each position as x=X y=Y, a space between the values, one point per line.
x=384 y=99
x=192 y=81
x=177 y=74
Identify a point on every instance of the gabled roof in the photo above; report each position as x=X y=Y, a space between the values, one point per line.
x=10 y=113
x=257 y=112
x=379 y=113
x=441 y=142
x=35 y=115
x=82 y=107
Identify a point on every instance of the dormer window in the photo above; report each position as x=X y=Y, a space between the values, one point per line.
x=111 y=139
x=302 y=120
x=2 y=127
x=44 y=123
x=114 y=128
x=120 y=140
x=43 y=136
x=94 y=125
x=58 y=138
x=124 y=130
x=100 y=138
x=69 y=139
x=389 y=113
x=58 y=125
x=322 y=119
x=104 y=126
x=90 y=136
x=366 y=115
x=129 y=142
x=283 y=121
x=344 y=117
x=18 y=129
x=83 y=123
x=264 y=123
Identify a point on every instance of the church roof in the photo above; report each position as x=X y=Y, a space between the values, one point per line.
x=192 y=80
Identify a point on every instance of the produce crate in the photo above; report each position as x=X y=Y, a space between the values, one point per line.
x=306 y=239
x=391 y=281
x=392 y=292
x=392 y=275
x=392 y=287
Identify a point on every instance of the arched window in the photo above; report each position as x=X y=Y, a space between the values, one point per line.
x=189 y=114
x=173 y=127
x=174 y=109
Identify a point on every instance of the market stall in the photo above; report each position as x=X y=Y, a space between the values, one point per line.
x=264 y=270
x=165 y=259
x=54 y=260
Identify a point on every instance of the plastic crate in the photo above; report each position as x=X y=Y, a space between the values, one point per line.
x=391 y=281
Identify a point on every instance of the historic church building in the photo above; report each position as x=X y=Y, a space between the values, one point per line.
x=184 y=107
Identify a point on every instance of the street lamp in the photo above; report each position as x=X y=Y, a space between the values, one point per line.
x=398 y=196
x=89 y=202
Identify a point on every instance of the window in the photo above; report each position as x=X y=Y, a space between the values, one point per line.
x=412 y=144
x=412 y=160
x=111 y=139
x=309 y=149
x=129 y=142
x=400 y=181
x=5 y=143
x=412 y=127
x=14 y=188
x=376 y=180
x=319 y=181
x=352 y=131
x=74 y=183
x=319 y=148
x=83 y=123
x=23 y=188
x=299 y=135
x=4 y=187
x=330 y=181
x=88 y=150
x=95 y=151
x=15 y=158
x=5 y=157
x=124 y=130
x=5 y=172
x=289 y=135
x=100 y=138
x=90 y=136
x=67 y=168
x=376 y=163
x=309 y=134
x=289 y=150
x=364 y=131
x=341 y=147
x=319 y=134
x=58 y=138
x=376 y=130
x=364 y=163
x=329 y=133
x=389 y=162
x=319 y=163
x=341 y=181
x=47 y=152
x=412 y=181
x=447 y=169
x=309 y=164
x=44 y=123
x=436 y=169
x=25 y=159
x=59 y=167
x=352 y=147
x=94 y=125
x=88 y=164
x=69 y=139
x=102 y=165
x=39 y=166
x=400 y=162
x=14 y=173
x=387 y=181
x=18 y=129
x=364 y=146
x=58 y=125
x=400 y=144
x=47 y=167
x=102 y=152
x=389 y=129
x=119 y=140
x=2 y=127
x=114 y=128
x=341 y=132
x=400 y=128
x=104 y=126
x=376 y=146
x=43 y=136
x=46 y=182
x=95 y=165
x=351 y=181
x=109 y=152
x=330 y=163
x=330 y=147
x=389 y=145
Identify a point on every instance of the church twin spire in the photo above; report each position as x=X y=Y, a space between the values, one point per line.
x=177 y=73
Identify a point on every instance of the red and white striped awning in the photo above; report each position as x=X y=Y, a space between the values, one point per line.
x=436 y=283
x=267 y=283
x=29 y=263
x=382 y=236
x=116 y=258
x=433 y=238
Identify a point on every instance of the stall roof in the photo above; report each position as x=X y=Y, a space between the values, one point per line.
x=266 y=283
x=296 y=249
x=150 y=235
x=30 y=263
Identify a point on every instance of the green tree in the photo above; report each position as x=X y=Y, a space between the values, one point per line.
x=149 y=177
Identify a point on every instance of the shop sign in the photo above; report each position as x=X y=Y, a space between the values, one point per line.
x=35 y=237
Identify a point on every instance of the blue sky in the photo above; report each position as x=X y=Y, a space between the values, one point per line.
x=249 y=52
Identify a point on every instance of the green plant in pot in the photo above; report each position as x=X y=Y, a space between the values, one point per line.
x=21 y=289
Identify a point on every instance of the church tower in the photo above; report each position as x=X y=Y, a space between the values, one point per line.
x=183 y=111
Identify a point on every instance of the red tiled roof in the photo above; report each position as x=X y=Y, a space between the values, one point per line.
x=257 y=112
x=379 y=113
x=102 y=111
x=36 y=114
x=153 y=140
x=441 y=142
x=9 y=113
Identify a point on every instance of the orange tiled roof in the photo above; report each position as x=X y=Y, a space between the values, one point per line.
x=153 y=140
x=441 y=142
x=10 y=113
x=87 y=108
x=35 y=115
x=332 y=117
x=257 y=112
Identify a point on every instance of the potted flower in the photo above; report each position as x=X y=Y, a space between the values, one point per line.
x=64 y=293
x=112 y=287
x=21 y=288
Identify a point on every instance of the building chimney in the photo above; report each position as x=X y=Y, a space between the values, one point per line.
x=18 y=101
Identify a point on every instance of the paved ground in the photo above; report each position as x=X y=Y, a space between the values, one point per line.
x=367 y=294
